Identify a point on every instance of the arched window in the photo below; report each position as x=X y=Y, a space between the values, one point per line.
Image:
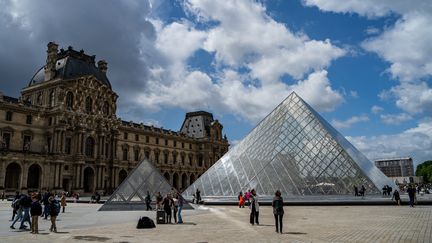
x=69 y=100
x=89 y=104
x=89 y=147
x=51 y=98
x=106 y=109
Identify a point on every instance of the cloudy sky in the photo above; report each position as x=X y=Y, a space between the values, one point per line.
x=366 y=66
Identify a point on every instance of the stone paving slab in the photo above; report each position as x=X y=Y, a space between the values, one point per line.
x=83 y=223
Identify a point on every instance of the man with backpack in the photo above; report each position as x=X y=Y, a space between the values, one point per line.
x=54 y=209
x=25 y=203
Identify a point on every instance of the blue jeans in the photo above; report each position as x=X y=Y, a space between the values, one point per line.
x=180 y=220
x=26 y=217
x=19 y=216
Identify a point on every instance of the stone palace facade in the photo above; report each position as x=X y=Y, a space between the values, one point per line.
x=63 y=133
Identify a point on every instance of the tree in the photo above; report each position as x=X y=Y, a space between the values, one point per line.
x=425 y=169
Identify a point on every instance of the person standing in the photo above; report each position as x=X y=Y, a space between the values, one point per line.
x=174 y=206
x=35 y=211
x=198 y=196
x=254 y=206
x=356 y=192
x=396 y=197
x=63 y=202
x=167 y=208
x=278 y=211
x=159 y=200
x=2 y=196
x=180 y=207
x=45 y=201
x=54 y=209
x=148 y=201
x=411 y=194
x=241 y=200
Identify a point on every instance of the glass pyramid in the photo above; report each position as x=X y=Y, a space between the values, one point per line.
x=131 y=193
x=293 y=150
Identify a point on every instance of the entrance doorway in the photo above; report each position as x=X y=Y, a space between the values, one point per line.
x=89 y=179
x=13 y=176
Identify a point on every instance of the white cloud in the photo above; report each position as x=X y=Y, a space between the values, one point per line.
x=251 y=54
x=351 y=121
x=406 y=46
x=415 y=142
x=372 y=30
x=395 y=119
x=376 y=109
x=354 y=94
x=370 y=8
x=410 y=97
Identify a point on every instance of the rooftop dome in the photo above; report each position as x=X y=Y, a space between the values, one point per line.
x=73 y=64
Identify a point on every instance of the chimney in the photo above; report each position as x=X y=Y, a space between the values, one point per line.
x=50 y=68
x=102 y=66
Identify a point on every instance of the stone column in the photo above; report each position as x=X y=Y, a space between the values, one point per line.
x=2 y=173
x=24 y=175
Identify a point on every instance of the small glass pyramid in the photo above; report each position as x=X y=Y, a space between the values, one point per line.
x=293 y=150
x=131 y=193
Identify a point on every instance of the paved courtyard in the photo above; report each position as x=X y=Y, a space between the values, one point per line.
x=83 y=223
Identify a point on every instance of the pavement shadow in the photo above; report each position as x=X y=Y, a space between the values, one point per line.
x=187 y=223
x=266 y=225
x=91 y=238
x=295 y=233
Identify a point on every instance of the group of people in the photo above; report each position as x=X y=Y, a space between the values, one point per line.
x=29 y=205
x=172 y=204
x=361 y=192
x=250 y=199
x=387 y=190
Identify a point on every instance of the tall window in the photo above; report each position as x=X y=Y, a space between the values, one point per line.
x=69 y=100
x=26 y=142
x=29 y=119
x=157 y=157
x=147 y=154
x=125 y=154
x=89 y=147
x=106 y=109
x=68 y=143
x=6 y=140
x=89 y=104
x=147 y=139
x=182 y=159
x=51 y=98
x=136 y=154
x=166 y=142
x=166 y=158
x=9 y=115
x=39 y=99
x=157 y=140
x=125 y=135
x=175 y=143
x=136 y=137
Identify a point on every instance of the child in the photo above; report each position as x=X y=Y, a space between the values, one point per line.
x=35 y=211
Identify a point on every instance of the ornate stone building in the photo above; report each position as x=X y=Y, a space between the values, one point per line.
x=63 y=133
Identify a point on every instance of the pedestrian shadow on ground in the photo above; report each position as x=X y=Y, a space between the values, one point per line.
x=187 y=223
x=294 y=233
x=266 y=225
x=91 y=238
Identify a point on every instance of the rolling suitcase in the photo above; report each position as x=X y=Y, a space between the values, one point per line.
x=160 y=217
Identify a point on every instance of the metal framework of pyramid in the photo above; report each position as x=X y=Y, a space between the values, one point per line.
x=293 y=150
x=131 y=193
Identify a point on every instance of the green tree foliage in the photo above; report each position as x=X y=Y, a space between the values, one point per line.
x=425 y=169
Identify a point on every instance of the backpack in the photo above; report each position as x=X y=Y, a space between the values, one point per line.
x=145 y=223
x=56 y=207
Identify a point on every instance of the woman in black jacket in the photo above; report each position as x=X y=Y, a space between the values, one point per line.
x=278 y=211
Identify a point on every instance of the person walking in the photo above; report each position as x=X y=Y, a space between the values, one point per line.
x=396 y=197
x=148 y=201
x=35 y=211
x=356 y=192
x=278 y=211
x=54 y=209
x=45 y=201
x=198 y=196
x=254 y=206
x=180 y=202
x=63 y=202
x=2 y=196
x=19 y=214
x=25 y=202
x=411 y=194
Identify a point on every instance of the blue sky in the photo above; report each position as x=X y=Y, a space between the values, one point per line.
x=366 y=66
